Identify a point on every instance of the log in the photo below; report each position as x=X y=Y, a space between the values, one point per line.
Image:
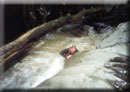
x=11 y=51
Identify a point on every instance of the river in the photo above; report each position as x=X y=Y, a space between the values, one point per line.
x=45 y=62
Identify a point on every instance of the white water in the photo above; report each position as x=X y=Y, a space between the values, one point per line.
x=45 y=62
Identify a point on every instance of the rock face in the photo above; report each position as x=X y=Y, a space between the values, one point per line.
x=87 y=69
x=117 y=36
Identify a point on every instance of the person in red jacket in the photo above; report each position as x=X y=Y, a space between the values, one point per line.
x=67 y=53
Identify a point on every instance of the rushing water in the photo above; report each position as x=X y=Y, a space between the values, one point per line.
x=45 y=61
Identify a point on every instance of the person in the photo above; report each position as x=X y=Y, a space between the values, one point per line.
x=67 y=53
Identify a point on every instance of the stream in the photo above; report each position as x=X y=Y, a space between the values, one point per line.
x=46 y=63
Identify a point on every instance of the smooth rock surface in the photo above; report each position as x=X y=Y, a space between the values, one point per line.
x=116 y=36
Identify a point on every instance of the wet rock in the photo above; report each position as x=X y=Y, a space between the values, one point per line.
x=121 y=69
x=119 y=35
x=76 y=30
x=119 y=86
